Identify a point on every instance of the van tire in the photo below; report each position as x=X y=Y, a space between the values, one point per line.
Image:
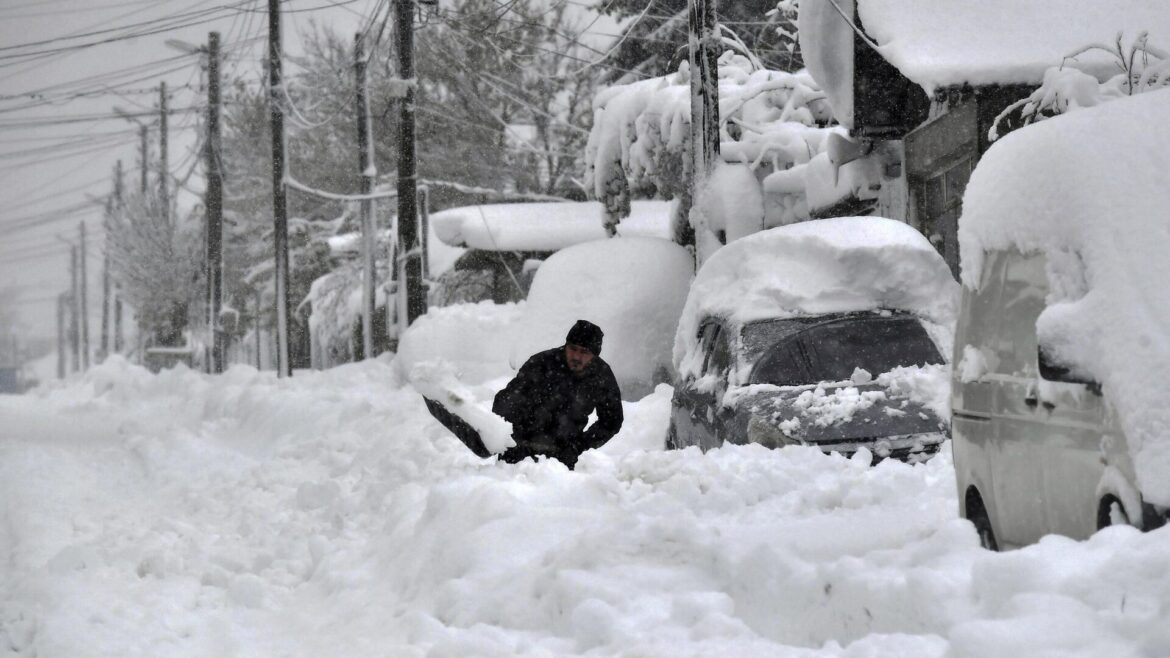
x=1105 y=512
x=976 y=512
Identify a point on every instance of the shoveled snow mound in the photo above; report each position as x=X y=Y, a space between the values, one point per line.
x=1089 y=189
x=822 y=266
x=543 y=226
x=633 y=288
x=327 y=514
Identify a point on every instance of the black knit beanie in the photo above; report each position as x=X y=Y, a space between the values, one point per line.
x=587 y=335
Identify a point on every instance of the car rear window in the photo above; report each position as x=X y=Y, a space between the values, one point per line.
x=831 y=351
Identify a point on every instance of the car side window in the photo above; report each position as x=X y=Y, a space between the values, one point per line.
x=706 y=339
x=720 y=359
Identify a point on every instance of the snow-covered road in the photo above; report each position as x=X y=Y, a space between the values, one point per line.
x=329 y=515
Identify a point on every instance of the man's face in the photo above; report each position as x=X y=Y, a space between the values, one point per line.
x=578 y=358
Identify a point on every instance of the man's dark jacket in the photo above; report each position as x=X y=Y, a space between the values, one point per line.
x=549 y=407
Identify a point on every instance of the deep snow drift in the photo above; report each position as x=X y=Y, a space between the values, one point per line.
x=329 y=515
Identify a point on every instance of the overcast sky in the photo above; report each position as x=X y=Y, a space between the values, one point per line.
x=45 y=169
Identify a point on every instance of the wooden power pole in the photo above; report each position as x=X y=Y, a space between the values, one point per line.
x=213 y=202
x=84 y=310
x=164 y=191
x=704 y=61
x=368 y=172
x=279 y=202
x=409 y=266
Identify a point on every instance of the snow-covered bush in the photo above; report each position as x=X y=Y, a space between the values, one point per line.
x=1142 y=67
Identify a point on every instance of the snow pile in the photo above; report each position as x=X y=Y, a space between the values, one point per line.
x=771 y=122
x=633 y=288
x=824 y=266
x=327 y=514
x=826 y=45
x=542 y=226
x=927 y=385
x=1088 y=190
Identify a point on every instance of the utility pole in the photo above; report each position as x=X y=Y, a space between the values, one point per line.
x=409 y=265
x=119 y=207
x=144 y=153
x=74 y=298
x=213 y=202
x=704 y=61
x=164 y=165
x=279 y=202
x=84 y=304
x=368 y=172
x=104 y=345
x=62 y=301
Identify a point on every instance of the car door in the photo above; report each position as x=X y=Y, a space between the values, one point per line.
x=973 y=388
x=1019 y=439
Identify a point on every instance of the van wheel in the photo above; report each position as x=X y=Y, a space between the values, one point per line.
x=1111 y=512
x=977 y=514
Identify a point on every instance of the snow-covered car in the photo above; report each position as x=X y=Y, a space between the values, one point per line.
x=827 y=333
x=1063 y=338
x=506 y=242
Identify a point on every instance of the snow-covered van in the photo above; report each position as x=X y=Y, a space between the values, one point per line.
x=1059 y=413
x=829 y=333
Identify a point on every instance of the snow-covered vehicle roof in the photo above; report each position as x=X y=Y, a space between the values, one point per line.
x=544 y=226
x=941 y=43
x=838 y=265
x=1088 y=189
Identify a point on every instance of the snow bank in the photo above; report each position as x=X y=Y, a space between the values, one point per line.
x=1088 y=190
x=327 y=514
x=823 y=266
x=542 y=226
x=633 y=288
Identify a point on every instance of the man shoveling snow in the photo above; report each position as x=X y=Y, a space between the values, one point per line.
x=547 y=403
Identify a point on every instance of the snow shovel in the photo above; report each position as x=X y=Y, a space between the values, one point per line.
x=459 y=427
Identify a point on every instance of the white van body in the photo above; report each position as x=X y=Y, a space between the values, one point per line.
x=1035 y=452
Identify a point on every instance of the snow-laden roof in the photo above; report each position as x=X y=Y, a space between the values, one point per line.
x=940 y=43
x=821 y=266
x=1093 y=183
x=546 y=226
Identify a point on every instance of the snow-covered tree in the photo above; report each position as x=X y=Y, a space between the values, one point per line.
x=1141 y=65
x=772 y=123
x=156 y=258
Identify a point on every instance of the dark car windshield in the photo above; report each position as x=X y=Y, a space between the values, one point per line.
x=830 y=351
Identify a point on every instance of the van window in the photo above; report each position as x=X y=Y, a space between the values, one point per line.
x=1025 y=285
x=979 y=314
